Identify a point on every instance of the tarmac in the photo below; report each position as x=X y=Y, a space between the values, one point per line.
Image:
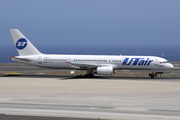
x=63 y=97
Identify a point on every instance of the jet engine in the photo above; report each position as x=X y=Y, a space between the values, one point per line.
x=104 y=70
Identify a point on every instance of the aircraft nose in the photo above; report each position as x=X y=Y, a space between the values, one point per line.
x=170 y=65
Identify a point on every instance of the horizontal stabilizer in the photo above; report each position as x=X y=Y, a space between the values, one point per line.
x=21 y=59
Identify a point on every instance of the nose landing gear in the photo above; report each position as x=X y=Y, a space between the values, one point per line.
x=153 y=74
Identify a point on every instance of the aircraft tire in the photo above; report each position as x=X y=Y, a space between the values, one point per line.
x=152 y=75
x=89 y=75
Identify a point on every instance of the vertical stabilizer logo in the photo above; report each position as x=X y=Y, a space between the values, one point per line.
x=21 y=43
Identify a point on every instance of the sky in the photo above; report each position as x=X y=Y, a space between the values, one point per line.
x=92 y=22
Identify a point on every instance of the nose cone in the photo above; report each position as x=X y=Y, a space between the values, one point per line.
x=170 y=65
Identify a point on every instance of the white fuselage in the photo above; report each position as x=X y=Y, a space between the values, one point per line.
x=116 y=62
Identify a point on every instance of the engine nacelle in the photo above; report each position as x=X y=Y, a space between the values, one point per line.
x=105 y=70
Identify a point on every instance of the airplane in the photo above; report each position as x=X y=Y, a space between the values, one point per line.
x=93 y=64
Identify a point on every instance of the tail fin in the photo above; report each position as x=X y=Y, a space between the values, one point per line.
x=23 y=45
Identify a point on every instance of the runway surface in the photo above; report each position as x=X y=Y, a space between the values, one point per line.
x=124 y=98
x=21 y=117
x=27 y=69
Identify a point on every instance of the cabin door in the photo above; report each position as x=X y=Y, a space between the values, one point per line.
x=156 y=62
x=40 y=60
x=69 y=60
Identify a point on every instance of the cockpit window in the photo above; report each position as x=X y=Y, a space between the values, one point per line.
x=165 y=62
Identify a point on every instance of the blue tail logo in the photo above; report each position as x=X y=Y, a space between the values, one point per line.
x=21 y=43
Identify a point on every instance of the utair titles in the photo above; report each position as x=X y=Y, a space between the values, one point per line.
x=137 y=61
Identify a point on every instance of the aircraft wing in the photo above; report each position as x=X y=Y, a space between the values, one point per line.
x=86 y=65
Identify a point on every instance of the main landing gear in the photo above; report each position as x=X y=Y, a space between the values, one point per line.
x=89 y=73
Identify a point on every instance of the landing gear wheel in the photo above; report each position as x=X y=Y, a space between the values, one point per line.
x=86 y=75
x=89 y=75
x=152 y=75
